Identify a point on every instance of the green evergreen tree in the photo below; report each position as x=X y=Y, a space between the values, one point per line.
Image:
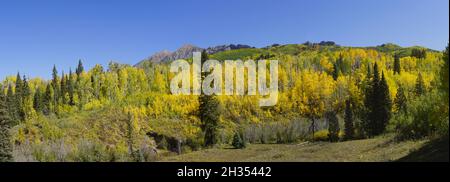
x=47 y=100
x=349 y=130
x=37 y=100
x=12 y=105
x=444 y=74
x=78 y=89
x=26 y=93
x=19 y=94
x=209 y=112
x=79 y=69
x=371 y=103
x=335 y=72
x=419 y=53
x=27 y=105
x=5 y=125
x=63 y=89
x=333 y=126
x=400 y=100
x=397 y=67
x=378 y=105
x=420 y=86
x=238 y=140
x=384 y=106
x=71 y=89
x=56 y=88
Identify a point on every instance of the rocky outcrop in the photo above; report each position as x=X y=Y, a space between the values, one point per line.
x=186 y=51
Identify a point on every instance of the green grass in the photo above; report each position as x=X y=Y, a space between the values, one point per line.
x=382 y=148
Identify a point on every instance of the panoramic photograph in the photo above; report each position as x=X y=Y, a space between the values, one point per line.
x=224 y=81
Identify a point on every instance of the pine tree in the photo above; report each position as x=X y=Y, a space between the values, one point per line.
x=400 y=100
x=349 y=130
x=385 y=106
x=340 y=65
x=55 y=87
x=397 y=67
x=209 y=112
x=70 y=87
x=378 y=105
x=19 y=98
x=63 y=90
x=5 y=125
x=371 y=103
x=27 y=100
x=12 y=105
x=78 y=89
x=47 y=100
x=333 y=126
x=37 y=100
x=238 y=140
x=335 y=72
x=79 y=69
x=420 y=86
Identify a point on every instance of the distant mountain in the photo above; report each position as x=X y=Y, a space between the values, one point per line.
x=186 y=51
x=221 y=48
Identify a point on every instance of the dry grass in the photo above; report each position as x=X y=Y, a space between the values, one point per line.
x=382 y=148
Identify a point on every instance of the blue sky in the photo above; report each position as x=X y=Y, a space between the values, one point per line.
x=34 y=35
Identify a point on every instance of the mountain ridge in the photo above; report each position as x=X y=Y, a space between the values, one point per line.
x=186 y=51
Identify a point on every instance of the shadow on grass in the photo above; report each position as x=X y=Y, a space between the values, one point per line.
x=434 y=151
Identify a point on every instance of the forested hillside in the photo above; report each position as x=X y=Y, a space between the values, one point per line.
x=124 y=113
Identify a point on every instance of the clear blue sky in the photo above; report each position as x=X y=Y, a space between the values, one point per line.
x=34 y=35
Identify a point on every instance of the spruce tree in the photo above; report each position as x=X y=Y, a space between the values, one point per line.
x=63 y=89
x=238 y=140
x=372 y=103
x=79 y=69
x=47 y=100
x=349 y=130
x=400 y=100
x=333 y=126
x=19 y=95
x=27 y=105
x=335 y=72
x=71 y=89
x=378 y=105
x=37 y=100
x=420 y=86
x=209 y=112
x=444 y=74
x=12 y=105
x=5 y=125
x=397 y=67
x=78 y=89
x=56 y=87
x=385 y=106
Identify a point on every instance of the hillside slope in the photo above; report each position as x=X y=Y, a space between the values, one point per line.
x=379 y=149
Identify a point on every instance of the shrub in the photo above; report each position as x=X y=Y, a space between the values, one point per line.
x=425 y=116
x=238 y=141
x=321 y=135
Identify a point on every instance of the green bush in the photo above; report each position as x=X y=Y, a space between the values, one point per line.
x=238 y=141
x=425 y=116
